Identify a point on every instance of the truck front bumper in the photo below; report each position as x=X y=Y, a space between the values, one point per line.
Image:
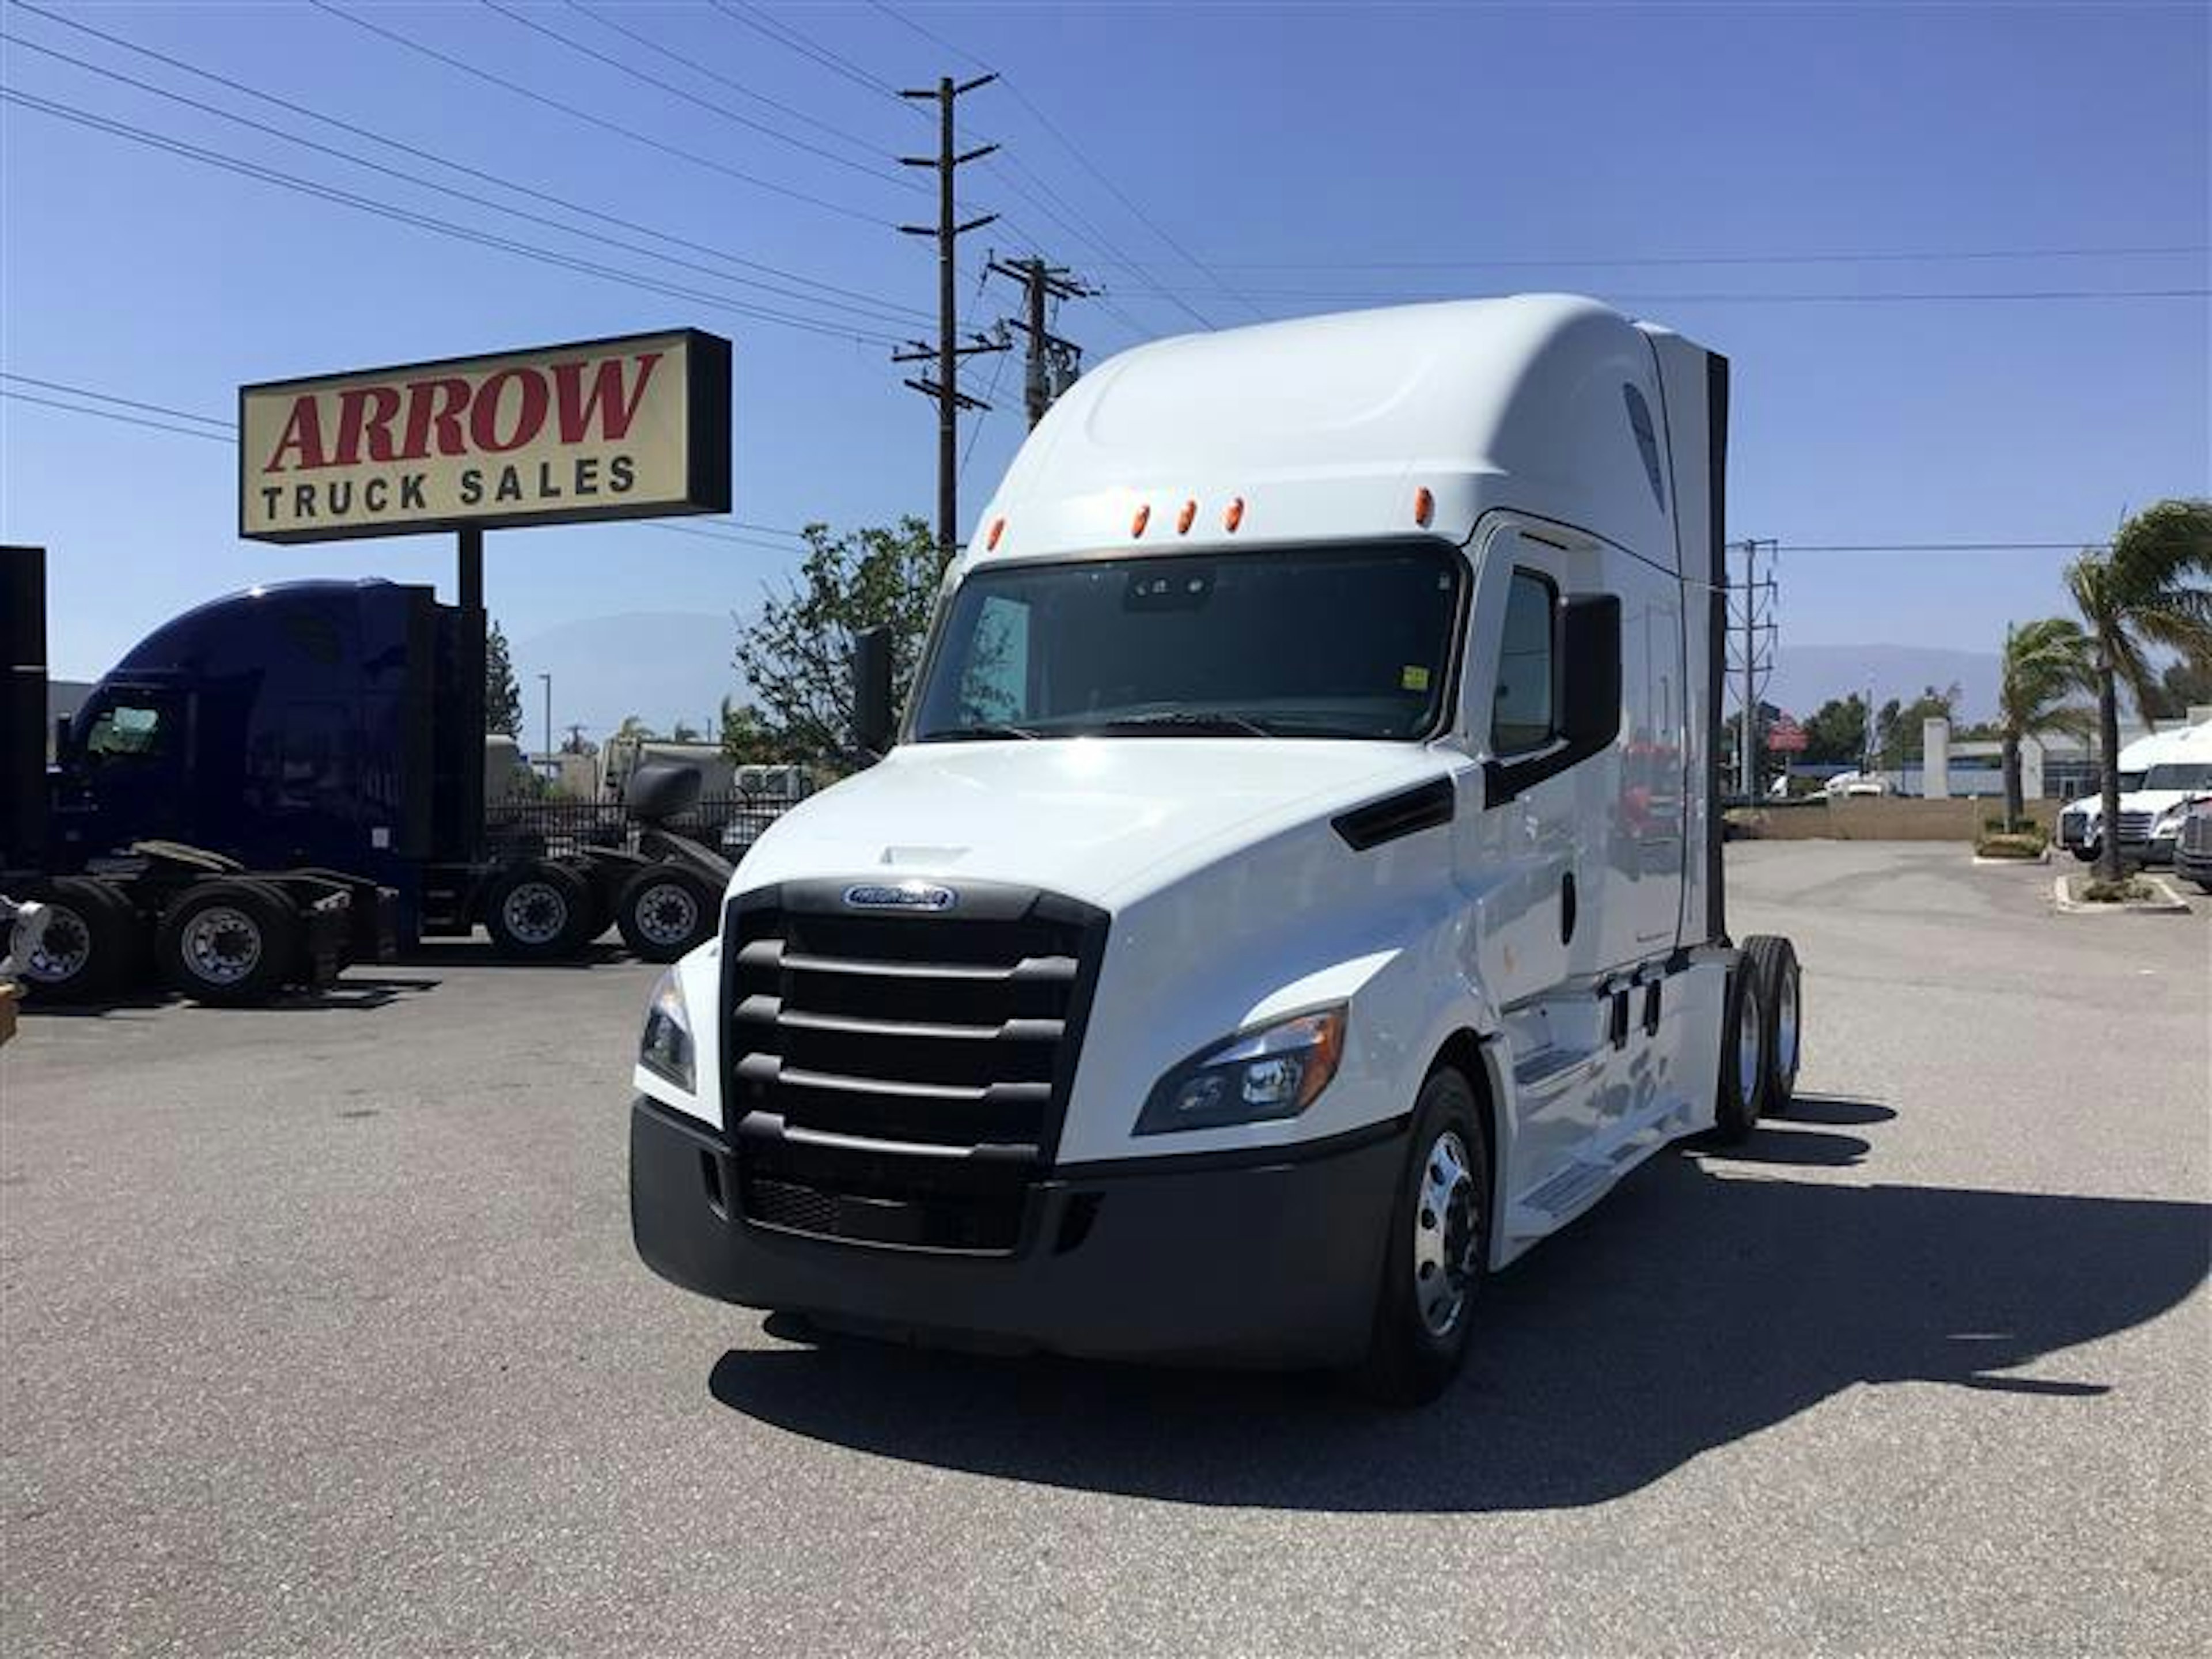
x=1266 y=1263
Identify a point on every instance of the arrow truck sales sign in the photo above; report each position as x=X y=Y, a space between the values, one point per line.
x=625 y=428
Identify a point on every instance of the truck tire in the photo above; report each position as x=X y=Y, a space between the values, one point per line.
x=1743 y=1079
x=93 y=945
x=1773 y=959
x=664 y=911
x=2086 y=854
x=1437 y=1252
x=229 y=942
x=539 y=912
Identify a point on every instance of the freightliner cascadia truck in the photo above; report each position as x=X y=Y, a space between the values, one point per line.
x=299 y=743
x=1293 y=888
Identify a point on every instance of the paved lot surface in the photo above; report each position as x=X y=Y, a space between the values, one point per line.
x=321 y=1334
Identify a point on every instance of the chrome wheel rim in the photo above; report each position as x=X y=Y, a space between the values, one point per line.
x=64 y=950
x=1785 y=1028
x=667 y=914
x=1446 y=1210
x=1747 y=1041
x=535 y=912
x=221 y=945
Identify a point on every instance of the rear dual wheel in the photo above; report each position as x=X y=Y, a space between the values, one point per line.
x=229 y=942
x=93 y=945
x=1761 y=1036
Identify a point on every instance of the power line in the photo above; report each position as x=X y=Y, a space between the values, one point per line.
x=1887 y=257
x=673 y=90
x=1342 y=296
x=718 y=531
x=109 y=398
x=788 y=38
x=427 y=221
x=117 y=415
x=1083 y=161
x=446 y=161
x=876 y=311
x=599 y=121
x=789 y=111
x=1940 y=547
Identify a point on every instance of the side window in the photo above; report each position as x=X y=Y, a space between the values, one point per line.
x=1647 y=441
x=995 y=687
x=1521 y=718
x=123 y=732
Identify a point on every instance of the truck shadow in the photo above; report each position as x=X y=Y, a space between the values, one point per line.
x=1710 y=1297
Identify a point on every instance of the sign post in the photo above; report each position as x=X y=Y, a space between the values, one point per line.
x=630 y=428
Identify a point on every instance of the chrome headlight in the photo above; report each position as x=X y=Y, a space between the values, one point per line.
x=1275 y=1071
x=665 y=1049
x=2169 y=822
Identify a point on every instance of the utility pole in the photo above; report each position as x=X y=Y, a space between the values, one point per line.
x=548 y=680
x=1757 y=663
x=1053 y=363
x=948 y=350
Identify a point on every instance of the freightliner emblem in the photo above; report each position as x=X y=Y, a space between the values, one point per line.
x=901 y=895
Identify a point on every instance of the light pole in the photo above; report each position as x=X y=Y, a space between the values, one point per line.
x=548 y=680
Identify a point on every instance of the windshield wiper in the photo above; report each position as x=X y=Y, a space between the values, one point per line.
x=979 y=733
x=1183 y=719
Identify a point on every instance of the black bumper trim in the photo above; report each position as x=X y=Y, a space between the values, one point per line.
x=1269 y=1259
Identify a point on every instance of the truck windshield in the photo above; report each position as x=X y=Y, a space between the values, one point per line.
x=2179 y=774
x=1335 y=642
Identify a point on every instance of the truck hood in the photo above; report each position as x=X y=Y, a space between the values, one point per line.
x=1100 y=819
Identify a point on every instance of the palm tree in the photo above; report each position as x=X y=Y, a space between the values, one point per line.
x=2136 y=595
x=2044 y=662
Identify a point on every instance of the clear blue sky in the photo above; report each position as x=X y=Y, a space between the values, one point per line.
x=1309 y=157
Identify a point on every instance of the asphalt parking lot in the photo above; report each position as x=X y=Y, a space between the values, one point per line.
x=322 y=1333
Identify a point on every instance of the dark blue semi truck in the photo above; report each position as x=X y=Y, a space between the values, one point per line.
x=278 y=782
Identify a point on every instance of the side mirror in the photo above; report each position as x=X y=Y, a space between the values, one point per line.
x=874 y=722
x=1585 y=697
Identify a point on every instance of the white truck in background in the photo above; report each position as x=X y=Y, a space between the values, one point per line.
x=1295 y=887
x=2161 y=774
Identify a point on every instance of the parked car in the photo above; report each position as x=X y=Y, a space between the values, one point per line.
x=1856 y=783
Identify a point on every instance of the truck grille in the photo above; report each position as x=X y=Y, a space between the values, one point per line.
x=2196 y=832
x=2134 y=826
x=899 y=1077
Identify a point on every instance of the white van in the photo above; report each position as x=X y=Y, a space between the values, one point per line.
x=1295 y=887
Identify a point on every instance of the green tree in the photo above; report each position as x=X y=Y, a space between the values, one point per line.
x=1835 y=733
x=797 y=654
x=2142 y=593
x=502 y=695
x=684 y=732
x=747 y=738
x=2044 y=664
x=1898 y=727
x=2184 y=685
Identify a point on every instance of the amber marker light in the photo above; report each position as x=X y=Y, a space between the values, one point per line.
x=1425 y=507
x=1233 y=516
x=1137 y=525
x=1183 y=518
x=991 y=541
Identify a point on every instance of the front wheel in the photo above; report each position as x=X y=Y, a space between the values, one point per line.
x=2086 y=854
x=1437 y=1254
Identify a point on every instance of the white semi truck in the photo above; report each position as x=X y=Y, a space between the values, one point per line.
x=2161 y=774
x=1294 y=888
